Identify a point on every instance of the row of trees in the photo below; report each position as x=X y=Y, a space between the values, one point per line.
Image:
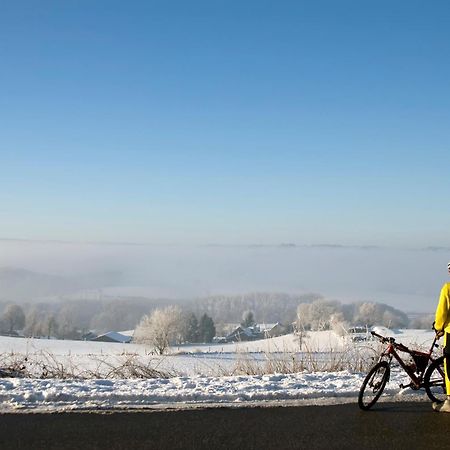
x=196 y=330
x=70 y=319
x=171 y=326
x=37 y=322
x=162 y=326
x=325 y=314
x=269 y=307
x=190 y=323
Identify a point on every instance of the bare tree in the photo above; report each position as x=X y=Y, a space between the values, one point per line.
x=161 y=328
x=316 y=315
x=423 y=321
x=368 y=314
x=325 y=314
x=338 y=324
x=66 y=326
x=50 y=326
x=33 y=323
x=13 y=318
x=303 y=321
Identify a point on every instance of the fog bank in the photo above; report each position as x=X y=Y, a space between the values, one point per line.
x=408 y=279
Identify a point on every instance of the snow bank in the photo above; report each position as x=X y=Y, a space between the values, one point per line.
x=19 y=394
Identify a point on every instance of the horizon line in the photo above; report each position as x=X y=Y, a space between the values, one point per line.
x=282 y=245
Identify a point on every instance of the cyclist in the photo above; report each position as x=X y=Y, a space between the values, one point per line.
x=442 y=326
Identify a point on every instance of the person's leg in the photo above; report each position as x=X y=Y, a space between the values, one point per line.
x=445 y=406
x=447 y=363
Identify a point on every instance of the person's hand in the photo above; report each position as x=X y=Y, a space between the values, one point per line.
x=439 y=333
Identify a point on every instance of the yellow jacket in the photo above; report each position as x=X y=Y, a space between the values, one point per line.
x=442 y=319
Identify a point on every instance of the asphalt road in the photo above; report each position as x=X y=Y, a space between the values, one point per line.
x=387 y=426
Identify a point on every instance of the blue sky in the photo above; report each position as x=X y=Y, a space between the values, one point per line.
x=225 y=122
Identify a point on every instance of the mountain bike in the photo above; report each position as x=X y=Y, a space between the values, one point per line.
x=423 y=369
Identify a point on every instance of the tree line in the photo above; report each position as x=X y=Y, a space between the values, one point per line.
x=267 y=307
x=70 y=319
x=325 y=314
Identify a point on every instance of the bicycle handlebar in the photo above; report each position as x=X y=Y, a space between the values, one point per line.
x=391 y=340
x=382 y=338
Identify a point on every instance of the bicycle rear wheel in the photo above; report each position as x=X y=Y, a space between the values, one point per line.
x=434 y=381
x=373 y=385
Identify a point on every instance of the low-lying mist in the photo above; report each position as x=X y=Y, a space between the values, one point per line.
x=406 y=279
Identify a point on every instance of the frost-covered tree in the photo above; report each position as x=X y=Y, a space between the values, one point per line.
x=40 y=324
x=162 y=328
x=368 y=314
x=394 y=319
x=303 y=321
x=324 y=314
x=316 y=315
x=338 y=324
x=33 y=323
x=423 y=321
x=13 y=318
x=67 y=327
x=50 y=326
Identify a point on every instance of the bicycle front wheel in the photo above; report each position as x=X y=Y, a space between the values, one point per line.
x=434 y=381
x=373 y=385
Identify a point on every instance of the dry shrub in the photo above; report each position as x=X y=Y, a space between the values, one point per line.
x=353 y=358
x=44 y=364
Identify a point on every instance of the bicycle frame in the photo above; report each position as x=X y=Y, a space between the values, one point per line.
x=391 y=352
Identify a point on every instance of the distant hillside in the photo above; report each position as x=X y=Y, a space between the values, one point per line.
x=18 y=284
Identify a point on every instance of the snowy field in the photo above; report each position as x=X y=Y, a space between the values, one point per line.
x=226 y=374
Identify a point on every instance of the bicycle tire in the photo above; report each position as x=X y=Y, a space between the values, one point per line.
x=434 y=381
x=375 y=381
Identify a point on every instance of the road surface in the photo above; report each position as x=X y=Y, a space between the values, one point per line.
x=388 y=426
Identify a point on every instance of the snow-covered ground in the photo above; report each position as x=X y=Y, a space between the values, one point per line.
x=196 y=374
